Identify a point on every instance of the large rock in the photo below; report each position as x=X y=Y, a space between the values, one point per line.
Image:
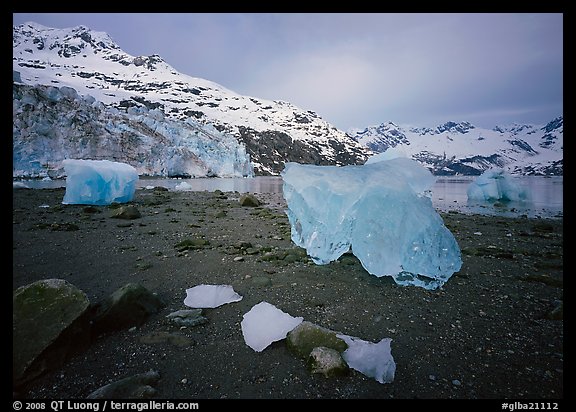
x=133 y=387
x=49 y=323
x=327 y=362
x=128 y=306
x=306 y=336
x=126 y=212
x=249 y=200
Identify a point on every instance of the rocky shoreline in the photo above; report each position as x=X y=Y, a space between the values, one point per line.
x=495 y=330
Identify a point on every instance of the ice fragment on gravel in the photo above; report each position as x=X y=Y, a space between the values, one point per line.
x=264 y=324
x=372 y=359
x=210 y=296
x=98 y=182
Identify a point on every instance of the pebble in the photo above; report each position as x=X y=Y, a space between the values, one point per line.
x=184 y=381
x=238 y=259
x=456 y=382
x=432 y=377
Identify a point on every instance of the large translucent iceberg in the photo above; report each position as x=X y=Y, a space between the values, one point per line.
x=98 y=182
x=380 y=211
x=495 y=184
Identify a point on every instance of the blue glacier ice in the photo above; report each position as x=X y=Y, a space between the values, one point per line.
x=98 y=182
x=495 y=184
x=381 y=211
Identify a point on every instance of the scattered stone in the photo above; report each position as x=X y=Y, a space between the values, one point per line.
x=126 y=307
x=547 y=280
x=557 y=313
x=175 y=339
x=327 y=362
x=543 y=227
x=49 y=323
x=60 y=227
x=90 y=209
x=238 y=259
x=187 y=317
x=221 y=214
x=184 y=381
x=307 y=336
x=432 y=377
x=456 y=382
x=160 y=189
x=133 y=387
x=126 y=212
x=261 y=281
x=249 y=200
x=192 y=244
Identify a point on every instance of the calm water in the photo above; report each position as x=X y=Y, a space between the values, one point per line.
x=448 y=193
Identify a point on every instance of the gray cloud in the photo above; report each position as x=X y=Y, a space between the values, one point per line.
x=361 y=69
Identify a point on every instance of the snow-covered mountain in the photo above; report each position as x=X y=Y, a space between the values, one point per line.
x=461 y=148
x=142 y=100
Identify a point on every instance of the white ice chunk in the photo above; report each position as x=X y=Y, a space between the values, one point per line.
x=98 y=182
x=380 y=210
x=210 y=296
x=495 y=184
x=372 y=359
x=183 y=186
x=20 y=185
x=264 y=324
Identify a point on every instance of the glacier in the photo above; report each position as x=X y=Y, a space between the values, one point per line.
x=495 y=184
x=381 y=211
x=98 y=182
x=54 y=123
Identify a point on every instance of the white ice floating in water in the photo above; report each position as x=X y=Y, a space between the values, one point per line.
x=372 y=359
x=98 y=182
x=264 y=324
x=381 y=211
x=495 y=184
x=183 y=187
x=20 y=185
x=210 y=296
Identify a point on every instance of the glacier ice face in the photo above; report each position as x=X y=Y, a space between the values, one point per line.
x=495 y=184
x=372 y=359
x=52 y=124
x=98 y=182
x=380 y=211
x=264 y=324
x=210 y=296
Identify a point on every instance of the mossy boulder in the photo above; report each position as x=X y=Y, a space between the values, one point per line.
x=306 y=336
x=249 y=200
x=327 y=362
x=126 y=212
x=49 y=323
x=126 y=307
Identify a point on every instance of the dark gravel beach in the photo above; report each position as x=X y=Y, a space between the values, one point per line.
x=494 y=330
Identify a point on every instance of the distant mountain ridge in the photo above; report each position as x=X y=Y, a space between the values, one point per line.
x=90 y=62
x=462 y=148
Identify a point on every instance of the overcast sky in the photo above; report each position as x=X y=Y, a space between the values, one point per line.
x=357 y=70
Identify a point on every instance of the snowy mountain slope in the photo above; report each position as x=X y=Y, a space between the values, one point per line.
x=462 y=148
x=90 y=62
